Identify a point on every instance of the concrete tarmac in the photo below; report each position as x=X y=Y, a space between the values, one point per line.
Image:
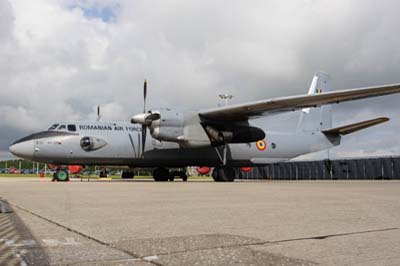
x=200 y=223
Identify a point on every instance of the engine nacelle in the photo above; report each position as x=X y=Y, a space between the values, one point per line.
x=169 y=127
x=235 y=134
x=186 y=129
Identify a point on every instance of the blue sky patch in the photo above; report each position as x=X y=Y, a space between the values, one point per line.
x=106 y=13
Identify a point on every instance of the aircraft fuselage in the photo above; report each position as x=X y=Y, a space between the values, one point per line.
x=109 y=143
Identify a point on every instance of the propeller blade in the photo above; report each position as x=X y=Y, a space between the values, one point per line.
x=144 y=132
x=144 y=95
x=144 y=125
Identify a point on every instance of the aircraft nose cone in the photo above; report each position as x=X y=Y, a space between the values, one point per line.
x=23 y=149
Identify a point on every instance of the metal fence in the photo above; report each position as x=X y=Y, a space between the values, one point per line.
x=370 y=168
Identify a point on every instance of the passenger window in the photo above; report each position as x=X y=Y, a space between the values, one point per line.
x=53 y=127
x=62 y=127
x=72 y=128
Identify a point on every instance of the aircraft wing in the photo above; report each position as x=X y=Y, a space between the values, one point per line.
x=242 y=112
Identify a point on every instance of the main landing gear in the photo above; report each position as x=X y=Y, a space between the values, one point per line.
x=224 y=174
x=219 y=174
x=163 y=174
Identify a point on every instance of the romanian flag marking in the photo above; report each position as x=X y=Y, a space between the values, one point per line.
x=261 y=145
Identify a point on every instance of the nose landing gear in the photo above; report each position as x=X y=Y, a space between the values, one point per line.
x=60 y=175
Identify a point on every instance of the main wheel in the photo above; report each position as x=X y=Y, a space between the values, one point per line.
x=224 y=174
x=161 y=174
x=61 y=175
x=215 y=175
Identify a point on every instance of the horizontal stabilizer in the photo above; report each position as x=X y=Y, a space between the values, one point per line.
x=344 y=130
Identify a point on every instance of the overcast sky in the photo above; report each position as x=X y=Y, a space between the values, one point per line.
x=60 y=59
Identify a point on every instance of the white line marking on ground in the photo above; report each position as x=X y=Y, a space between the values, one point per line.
x=150 y=258
x=69 y=241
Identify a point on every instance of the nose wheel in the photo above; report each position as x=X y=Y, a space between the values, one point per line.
x=61 y=175
x=224 y=174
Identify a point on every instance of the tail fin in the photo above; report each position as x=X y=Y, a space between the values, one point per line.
x=319 y=118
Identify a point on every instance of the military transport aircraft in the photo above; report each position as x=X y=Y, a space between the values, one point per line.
x=224 y=137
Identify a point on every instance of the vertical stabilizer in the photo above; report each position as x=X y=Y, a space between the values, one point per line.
x=319 y=118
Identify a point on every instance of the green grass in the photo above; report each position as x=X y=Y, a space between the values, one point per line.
x=21 y=175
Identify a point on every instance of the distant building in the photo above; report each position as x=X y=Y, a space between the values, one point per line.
x=354 y=169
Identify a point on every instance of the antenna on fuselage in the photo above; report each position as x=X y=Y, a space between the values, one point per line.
x=98 y=113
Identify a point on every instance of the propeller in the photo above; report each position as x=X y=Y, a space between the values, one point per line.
x=144 y=126
x=145 y=119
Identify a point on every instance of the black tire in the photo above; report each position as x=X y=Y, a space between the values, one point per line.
x=127 y=175
x=184 y=177
x=61 y=175
x=161 y=175
x=215 y=175
x=224 y=174
x=103 y=173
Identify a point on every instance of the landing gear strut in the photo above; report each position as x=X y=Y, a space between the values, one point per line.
x=224 y=174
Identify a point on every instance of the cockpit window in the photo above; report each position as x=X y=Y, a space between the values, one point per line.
x=62 y=127
x=53 y=127
x=71 y=128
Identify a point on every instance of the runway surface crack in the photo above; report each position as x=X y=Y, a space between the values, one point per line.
x=260 y=243
x=322 y=237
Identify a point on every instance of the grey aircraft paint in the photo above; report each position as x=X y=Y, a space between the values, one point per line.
x=121 y=145
x=230 y=136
